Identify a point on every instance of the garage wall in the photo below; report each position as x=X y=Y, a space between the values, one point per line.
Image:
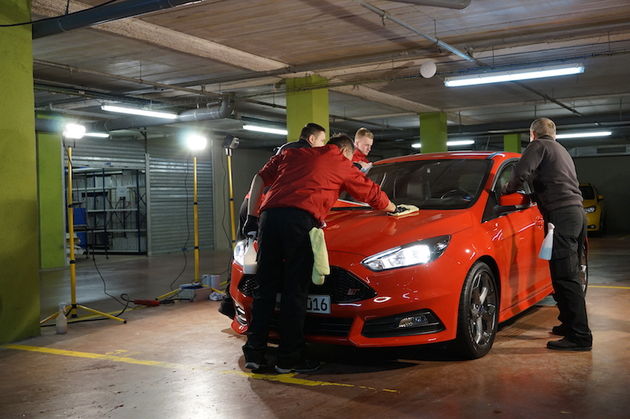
x=245 y=164
x=610 y=176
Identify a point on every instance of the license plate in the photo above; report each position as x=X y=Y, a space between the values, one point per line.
x=314 y=304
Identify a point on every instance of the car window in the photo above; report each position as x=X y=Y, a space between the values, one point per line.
x=504 y=177
x=431 y=184
x=587 y=192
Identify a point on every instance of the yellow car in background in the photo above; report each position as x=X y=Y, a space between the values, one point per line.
x=593 y=207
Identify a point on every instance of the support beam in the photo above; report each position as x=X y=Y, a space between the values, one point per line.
x=304 y=106
x=19 y=247
x=433 y=133
x=512 y=142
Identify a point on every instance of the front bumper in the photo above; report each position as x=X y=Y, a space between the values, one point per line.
x=408 y=306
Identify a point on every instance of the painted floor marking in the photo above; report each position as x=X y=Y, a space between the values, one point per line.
x=283 y=378
x=609 y=286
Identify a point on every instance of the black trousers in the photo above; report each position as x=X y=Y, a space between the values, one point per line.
x=568 y=241
x=285 y=264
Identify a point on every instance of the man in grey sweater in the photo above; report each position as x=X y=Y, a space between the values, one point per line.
x=550 y=168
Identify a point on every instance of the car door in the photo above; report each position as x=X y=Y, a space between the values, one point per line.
x=517 y=236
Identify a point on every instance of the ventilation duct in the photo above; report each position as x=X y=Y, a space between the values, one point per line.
x=449 y=4
x=218 y=111
x=101 y=14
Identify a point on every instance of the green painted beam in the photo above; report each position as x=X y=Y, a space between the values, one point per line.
x=433 y=133
x=307 y=101
x=52 y=228
x=512 y=142
x=19 y=247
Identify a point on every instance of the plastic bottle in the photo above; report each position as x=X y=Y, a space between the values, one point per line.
x=249 y=259
x=547 y=244
x=61 y=323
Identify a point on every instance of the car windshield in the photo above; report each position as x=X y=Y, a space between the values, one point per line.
x=587 y=192
x=431 y=184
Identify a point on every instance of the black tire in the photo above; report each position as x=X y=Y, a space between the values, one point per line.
x=477 y=319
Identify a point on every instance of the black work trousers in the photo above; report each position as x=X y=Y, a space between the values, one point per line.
x=285 y=264
x=568 y=241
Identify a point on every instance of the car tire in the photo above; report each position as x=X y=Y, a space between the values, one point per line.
x=478 y=312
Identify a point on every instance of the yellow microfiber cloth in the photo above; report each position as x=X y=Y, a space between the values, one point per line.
x=404 y=209
x=320 y=255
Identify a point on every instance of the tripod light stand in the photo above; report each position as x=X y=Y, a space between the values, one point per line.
x=74 y=307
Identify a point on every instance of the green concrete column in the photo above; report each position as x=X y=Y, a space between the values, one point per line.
x=306 y=104
x=433 y=134
x=52 y=229
x=512 y=142
x=19 y=247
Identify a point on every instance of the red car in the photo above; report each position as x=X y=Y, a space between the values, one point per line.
x=464 y=262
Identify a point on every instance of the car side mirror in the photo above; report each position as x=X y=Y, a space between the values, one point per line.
x=513 y=202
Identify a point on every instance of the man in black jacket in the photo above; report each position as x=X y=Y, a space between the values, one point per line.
x=552 y=171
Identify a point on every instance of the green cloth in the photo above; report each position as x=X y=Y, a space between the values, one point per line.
x=320 y=255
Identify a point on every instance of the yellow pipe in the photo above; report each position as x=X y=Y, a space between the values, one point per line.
x=196 y=218
x=73 y=268
x=231 y=191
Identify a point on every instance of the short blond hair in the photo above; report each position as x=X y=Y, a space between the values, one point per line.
x=543 y=126
x=363 y=132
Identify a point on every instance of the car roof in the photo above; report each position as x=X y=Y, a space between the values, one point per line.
x=474 y=155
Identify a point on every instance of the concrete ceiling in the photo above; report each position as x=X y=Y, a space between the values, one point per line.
x=188 y=56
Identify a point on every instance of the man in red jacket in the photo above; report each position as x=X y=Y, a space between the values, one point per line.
x=304 y=185
x=363 y=140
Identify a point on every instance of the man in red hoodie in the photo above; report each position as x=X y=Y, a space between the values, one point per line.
x=363 y=140
x=303 y=185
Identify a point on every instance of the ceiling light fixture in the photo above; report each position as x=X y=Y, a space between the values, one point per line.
x=513 y=75
x=448 y=143
x=267 y=130
x=97 y=134
x=584 y=134
x=136 y=111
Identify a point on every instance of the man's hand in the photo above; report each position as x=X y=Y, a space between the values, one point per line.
x=251 y=225
x=364 y=166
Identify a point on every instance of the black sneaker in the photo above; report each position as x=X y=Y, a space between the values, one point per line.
x=306 y=365
x=227 y=308
x=560 y=330
x=565 y=344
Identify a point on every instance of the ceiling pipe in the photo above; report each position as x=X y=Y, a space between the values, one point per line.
x=101 y=14
x=449 y=4
x=218 y=111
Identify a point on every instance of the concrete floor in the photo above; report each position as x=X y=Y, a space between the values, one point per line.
x=182 y=360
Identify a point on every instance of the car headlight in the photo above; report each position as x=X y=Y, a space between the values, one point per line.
x=416 y=253
x=239 y=252
x=588 y=210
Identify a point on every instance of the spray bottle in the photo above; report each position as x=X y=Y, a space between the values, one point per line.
x=547 y=244
x=61 y=322
x=249 y=259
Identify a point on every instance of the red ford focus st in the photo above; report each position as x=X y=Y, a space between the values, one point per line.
x=452 y=271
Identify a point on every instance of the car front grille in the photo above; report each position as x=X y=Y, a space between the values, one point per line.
x=320 y=325
x=341 y=285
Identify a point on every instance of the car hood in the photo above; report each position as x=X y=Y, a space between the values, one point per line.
x=589 y=203
x=366 y=232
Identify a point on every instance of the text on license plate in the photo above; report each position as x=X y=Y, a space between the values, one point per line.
x=314 y=304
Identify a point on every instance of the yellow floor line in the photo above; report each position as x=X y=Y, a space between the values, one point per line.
x=609 y=286
x=283 y=378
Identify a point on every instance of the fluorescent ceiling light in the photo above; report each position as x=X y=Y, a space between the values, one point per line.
x=448 y=143
x=196 y=142
x=512 y=75
x=97 y=134
x=460 y=142
x=136 y=111
x=74 y=131
x=268 y=130
x=584 y=134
